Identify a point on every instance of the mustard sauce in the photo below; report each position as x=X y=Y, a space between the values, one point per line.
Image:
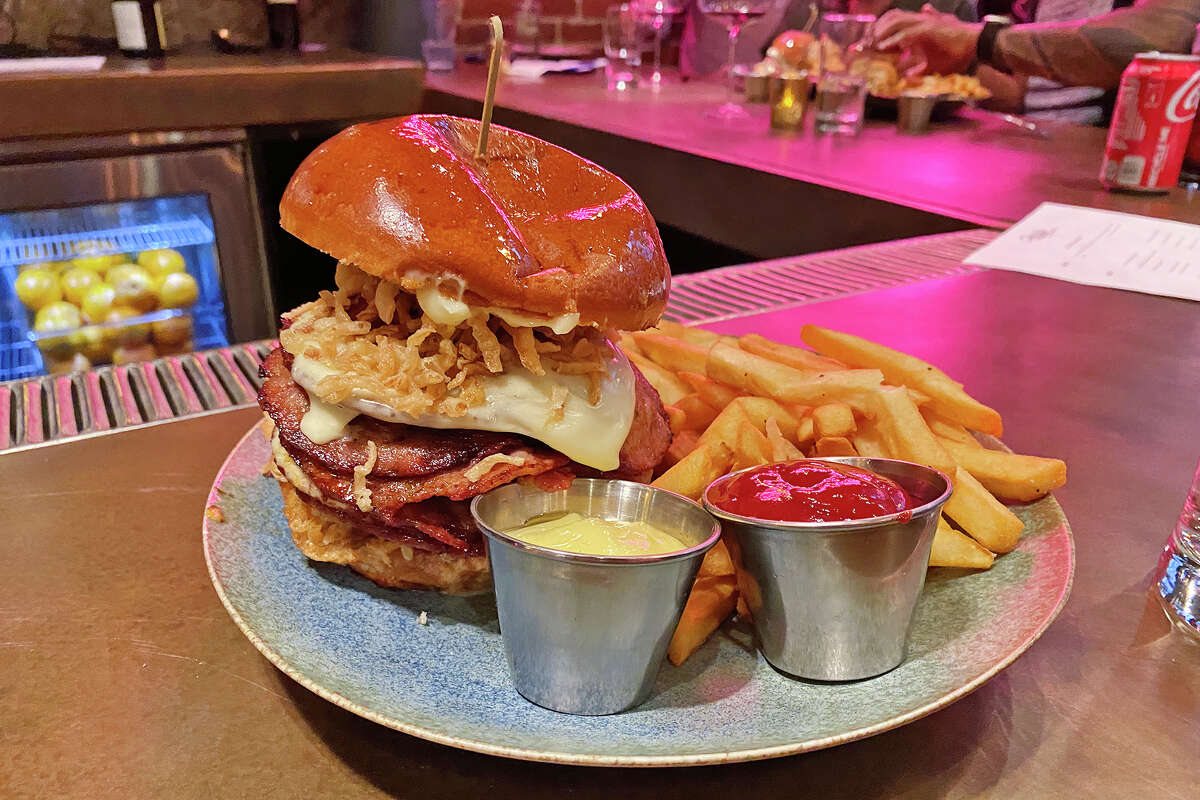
x=575 y=533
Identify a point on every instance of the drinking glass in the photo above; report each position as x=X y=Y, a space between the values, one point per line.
x=442 y=17
x=841 y=95
x=733 y=14
x=1177 y=579
x=622 y=47
x=658 y=16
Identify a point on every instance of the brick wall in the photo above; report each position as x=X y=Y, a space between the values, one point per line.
x=567 y=26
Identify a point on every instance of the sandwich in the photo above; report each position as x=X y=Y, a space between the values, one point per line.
x=468 y=342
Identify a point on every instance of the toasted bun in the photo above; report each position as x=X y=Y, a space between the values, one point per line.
x=532 y=228
x=324 y=537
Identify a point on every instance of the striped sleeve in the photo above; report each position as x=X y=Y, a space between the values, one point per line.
x=1094 y=52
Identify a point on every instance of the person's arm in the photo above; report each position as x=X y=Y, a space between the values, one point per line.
x=1093 y=52
x=1089 y=52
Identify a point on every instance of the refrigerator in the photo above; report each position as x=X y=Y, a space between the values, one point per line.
x=125 y=248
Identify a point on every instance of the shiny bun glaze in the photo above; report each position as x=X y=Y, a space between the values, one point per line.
x=533 y=228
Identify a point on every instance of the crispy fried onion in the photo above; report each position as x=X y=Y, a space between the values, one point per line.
x=362 y=495
x=383 y=348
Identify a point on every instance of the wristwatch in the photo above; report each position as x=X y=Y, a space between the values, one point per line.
x=985 y=46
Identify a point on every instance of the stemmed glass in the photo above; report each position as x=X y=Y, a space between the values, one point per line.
x=734 y=14
x=658 y=16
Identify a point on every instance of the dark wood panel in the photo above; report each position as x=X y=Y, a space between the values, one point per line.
x=212 y=91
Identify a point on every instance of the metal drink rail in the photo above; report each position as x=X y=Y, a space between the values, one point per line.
x=52 y=408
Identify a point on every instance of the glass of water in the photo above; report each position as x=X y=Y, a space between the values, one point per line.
x=442 y=18
x=1177 y=579
x=622 y=47
x=841 y=94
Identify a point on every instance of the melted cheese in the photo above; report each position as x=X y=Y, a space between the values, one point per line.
x=446 y=310
x=517 y=401
x=325 y=422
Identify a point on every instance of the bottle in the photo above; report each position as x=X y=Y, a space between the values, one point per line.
x=139 y=25
x=527 y=34
x=283 y=24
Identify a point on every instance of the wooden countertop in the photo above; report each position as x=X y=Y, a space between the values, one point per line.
x=974 y=169
x=207 y=91
x=122 y=676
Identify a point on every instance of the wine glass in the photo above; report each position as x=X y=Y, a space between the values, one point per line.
x=658 y=16
x=733 y=14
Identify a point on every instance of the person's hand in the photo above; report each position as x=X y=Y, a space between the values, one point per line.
x=930 y=41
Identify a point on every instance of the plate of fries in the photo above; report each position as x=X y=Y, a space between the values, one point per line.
x=433 y=665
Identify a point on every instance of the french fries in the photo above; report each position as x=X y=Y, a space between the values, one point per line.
x=954 y=549
x=669 y=387
x=674 y=354
x=901 y=369
x=691 y=476
x=781 y=448
x=740 y=402
x=985 y=518
x=761 y=376
x=795 y=357
x=905 y=434
x=698 y=336
x=1009 y=475
x=833 y=419
x=833 y=447
x=698 y=414
x=717 y=395
x=713 y=598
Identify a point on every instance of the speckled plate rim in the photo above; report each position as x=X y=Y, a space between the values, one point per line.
x=591 y=760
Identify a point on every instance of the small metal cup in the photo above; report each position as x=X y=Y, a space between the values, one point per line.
x=586 y=634
x=913 y=111
x=833 y=601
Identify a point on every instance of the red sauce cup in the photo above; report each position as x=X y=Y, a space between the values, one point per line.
x=834 y=601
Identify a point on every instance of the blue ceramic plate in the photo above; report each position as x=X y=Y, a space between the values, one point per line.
x=361 y=647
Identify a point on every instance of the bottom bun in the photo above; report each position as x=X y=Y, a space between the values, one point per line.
x=325 y=537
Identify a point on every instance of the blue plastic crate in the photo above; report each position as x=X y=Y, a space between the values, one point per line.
x=182 y=223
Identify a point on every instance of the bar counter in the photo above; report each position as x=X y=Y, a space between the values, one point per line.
x=207 y=90
x=753 y=190
x=121 y=675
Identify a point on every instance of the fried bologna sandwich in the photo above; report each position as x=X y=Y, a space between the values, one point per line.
x=468 y=343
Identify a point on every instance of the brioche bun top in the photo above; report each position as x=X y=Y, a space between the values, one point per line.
x=532 y=227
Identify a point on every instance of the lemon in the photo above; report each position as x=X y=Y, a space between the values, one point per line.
x=57 y=316
x=161 y=262
x=133 y=334
x=75 y=283
x=49 y=266
x=37 y=288
x=178 y=290
x=97 y=301
x=128 y=354
x=134 y=287
x=172 y=332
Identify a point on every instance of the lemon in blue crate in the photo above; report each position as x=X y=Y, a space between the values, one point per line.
x=162 y=262
x=134 y=287
x=75 y=283
x=37 y=288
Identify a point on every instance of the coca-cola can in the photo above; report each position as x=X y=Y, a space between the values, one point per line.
x=1156 y=104
x=1190 y=174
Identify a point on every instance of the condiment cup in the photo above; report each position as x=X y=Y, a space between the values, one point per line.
x=833 y=601
x=586 y=634
x=913 y=111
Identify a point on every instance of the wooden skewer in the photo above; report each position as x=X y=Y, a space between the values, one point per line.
x=489 y=97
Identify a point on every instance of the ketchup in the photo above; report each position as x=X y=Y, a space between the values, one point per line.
x=810 y=491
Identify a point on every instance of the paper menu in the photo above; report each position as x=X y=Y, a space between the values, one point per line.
x=1100 y=248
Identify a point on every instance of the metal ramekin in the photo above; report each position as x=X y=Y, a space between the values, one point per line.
x=586 y=634
x=834 y=601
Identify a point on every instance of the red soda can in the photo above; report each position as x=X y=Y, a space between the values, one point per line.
x=1190 y=174
x=1156 y=104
